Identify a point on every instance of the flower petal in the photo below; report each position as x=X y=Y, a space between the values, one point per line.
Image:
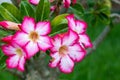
x=56 y=41
x=21 y=64
x=55 y=59
x=44 y=43
x=20 y=38
x=66 y=65
x=66 y=3
x=7 y=39
x=35 y=2
x=80 y=26
x=31 y=49
x=71 y=22
x=85 y=41
x=8 y=50
x=12 y=62
x=28 y=24
x=76 y=52
x=70 y=38
x=43 y=28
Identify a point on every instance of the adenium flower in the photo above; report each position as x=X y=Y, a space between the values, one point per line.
x=68 y=2
x=66 y=51
x=79 y=27
x=16 y=54
x=10 y=25
x=33 y=36
x=35 y=2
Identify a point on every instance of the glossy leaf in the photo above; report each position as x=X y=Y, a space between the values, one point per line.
x=43 y=10
x=59 y=24
x=26 y=9
x=10 y=12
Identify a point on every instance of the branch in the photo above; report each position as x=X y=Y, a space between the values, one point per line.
x=116 y=1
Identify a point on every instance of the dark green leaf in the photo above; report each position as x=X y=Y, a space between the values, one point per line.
x=10 y=12
x=77 y=9
x=43 y=10
x=26 y=9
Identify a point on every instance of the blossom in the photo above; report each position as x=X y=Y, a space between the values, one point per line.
x=68 y=2
x=16 y=55
x=66 y=51
x=79 y=27
x=10 y=25
x=33 y=36
x=35 y=2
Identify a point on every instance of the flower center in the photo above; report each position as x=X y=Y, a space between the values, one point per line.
x=34 y=36
x=19 y=52
x=63 y=50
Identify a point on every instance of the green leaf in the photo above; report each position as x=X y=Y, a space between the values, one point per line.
x=26 y=9
x=78 y=10
x=59 y=24
x=10 y=12
x=43 y=10
x=2 y=60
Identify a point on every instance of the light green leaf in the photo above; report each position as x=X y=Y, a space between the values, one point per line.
x=10 y=12
x=26 y=9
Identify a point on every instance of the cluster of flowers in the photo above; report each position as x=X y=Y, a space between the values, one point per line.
x=30 y=37
x=65 y=2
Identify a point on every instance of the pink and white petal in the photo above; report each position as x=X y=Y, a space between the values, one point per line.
x=76 y=53
x=31 y=48
x=55 y=60
x=66 y=64
x=8 y=50
x=84 y=39
x=28 y=24
x=66 y=3
x=71 y=22
x=35 y=2
x=21 y=38
x=80 y=26
x=12 y=62
x=77 y=56
x=44 y=43
x=43 y=28
x=9 y=25
x=75 y=47
x=21 y=64
x=70 y=38
x=56 y=41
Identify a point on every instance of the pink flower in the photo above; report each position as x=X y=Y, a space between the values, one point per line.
x=16 y=56
x=10 y=25
x=68 y=2
x=80 y=28
x=7 y=39
x=66 y=51
x=52 y=8
x=35 y=2
x=33 y=36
